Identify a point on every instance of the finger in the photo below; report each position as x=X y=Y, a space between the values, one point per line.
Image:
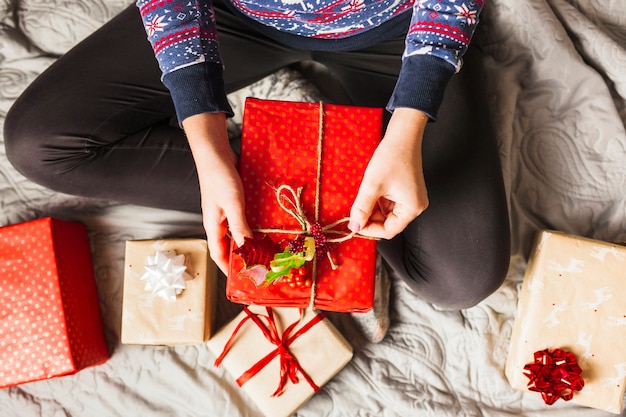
x=383 y=230
x=392 y=224
x=385 y=206
x=219 y=245
x=237 y=223
x=377 y=217
x=362 y=208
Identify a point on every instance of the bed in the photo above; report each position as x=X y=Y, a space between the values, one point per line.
x=556 y=79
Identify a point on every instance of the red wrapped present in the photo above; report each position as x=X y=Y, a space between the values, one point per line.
x=50 y=322
x=301 y=165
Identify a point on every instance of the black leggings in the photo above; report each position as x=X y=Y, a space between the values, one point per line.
x=100 y=123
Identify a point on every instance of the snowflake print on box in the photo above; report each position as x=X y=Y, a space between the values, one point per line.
x=280 y=161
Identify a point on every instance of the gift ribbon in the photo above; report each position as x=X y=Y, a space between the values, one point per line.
x=165 y=274
x=555 y=374
x=289 y=365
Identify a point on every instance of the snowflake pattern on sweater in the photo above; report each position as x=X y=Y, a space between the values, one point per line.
x=443 y=28
x=183 y=34
x=325 y=19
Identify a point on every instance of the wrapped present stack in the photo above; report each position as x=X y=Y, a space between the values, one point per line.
x=301 y=165
x=569 y=336
x=51 y=323
x=169 y=290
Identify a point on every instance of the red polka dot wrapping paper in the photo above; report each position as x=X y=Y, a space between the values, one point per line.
x=50 y=321
x=280 y=147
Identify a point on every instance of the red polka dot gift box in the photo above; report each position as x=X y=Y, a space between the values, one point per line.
x=301 y=165
x=569 y=337
x=50 y=320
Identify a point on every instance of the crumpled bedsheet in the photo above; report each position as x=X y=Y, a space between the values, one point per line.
x=554 y=72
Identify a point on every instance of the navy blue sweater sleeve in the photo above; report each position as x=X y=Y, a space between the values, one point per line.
x=197 y=89
x=183 y=35
x=438 y=37
x=421 y=84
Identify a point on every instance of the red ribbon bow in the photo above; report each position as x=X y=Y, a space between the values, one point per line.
x=289 y=365
x=555 y=374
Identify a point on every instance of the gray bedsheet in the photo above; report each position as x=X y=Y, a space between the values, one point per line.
x=555 y=73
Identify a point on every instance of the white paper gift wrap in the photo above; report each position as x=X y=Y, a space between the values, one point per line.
x=573 y=297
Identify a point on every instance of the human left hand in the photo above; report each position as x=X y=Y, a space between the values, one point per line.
x=393 y=191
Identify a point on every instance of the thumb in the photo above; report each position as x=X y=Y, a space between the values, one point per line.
x=362 y=209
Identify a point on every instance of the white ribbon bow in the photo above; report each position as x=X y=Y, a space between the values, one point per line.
x=166 y=274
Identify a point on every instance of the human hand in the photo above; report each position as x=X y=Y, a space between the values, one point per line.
x=220 y=185
x=393 y=190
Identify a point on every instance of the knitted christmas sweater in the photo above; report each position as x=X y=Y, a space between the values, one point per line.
x=184 y=38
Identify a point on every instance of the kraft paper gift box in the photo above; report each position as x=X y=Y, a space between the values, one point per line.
x=572 y=298
x=255 y=353
x=153 y=317
x=50 y=321
x=301 y=166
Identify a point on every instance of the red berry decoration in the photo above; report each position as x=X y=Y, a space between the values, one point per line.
x=297 y=244
x=320 y=240
x=297 y=278
x=316 y=229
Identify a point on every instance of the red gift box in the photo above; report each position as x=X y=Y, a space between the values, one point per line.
x=50 y=322
x=320 y=150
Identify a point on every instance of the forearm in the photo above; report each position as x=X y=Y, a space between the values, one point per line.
x=406 y=129
x=392 y=194
x=208 y=140
x=220 y=185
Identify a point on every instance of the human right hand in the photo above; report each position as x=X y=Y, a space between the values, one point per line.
x=393 y=191
x=220 y=185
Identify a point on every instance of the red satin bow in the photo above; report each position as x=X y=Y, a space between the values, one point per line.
x=289 y=365
x=555 y=374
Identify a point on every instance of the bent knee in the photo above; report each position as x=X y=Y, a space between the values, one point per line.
x=457 y=287
x=23 y=149
x=35 y=151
